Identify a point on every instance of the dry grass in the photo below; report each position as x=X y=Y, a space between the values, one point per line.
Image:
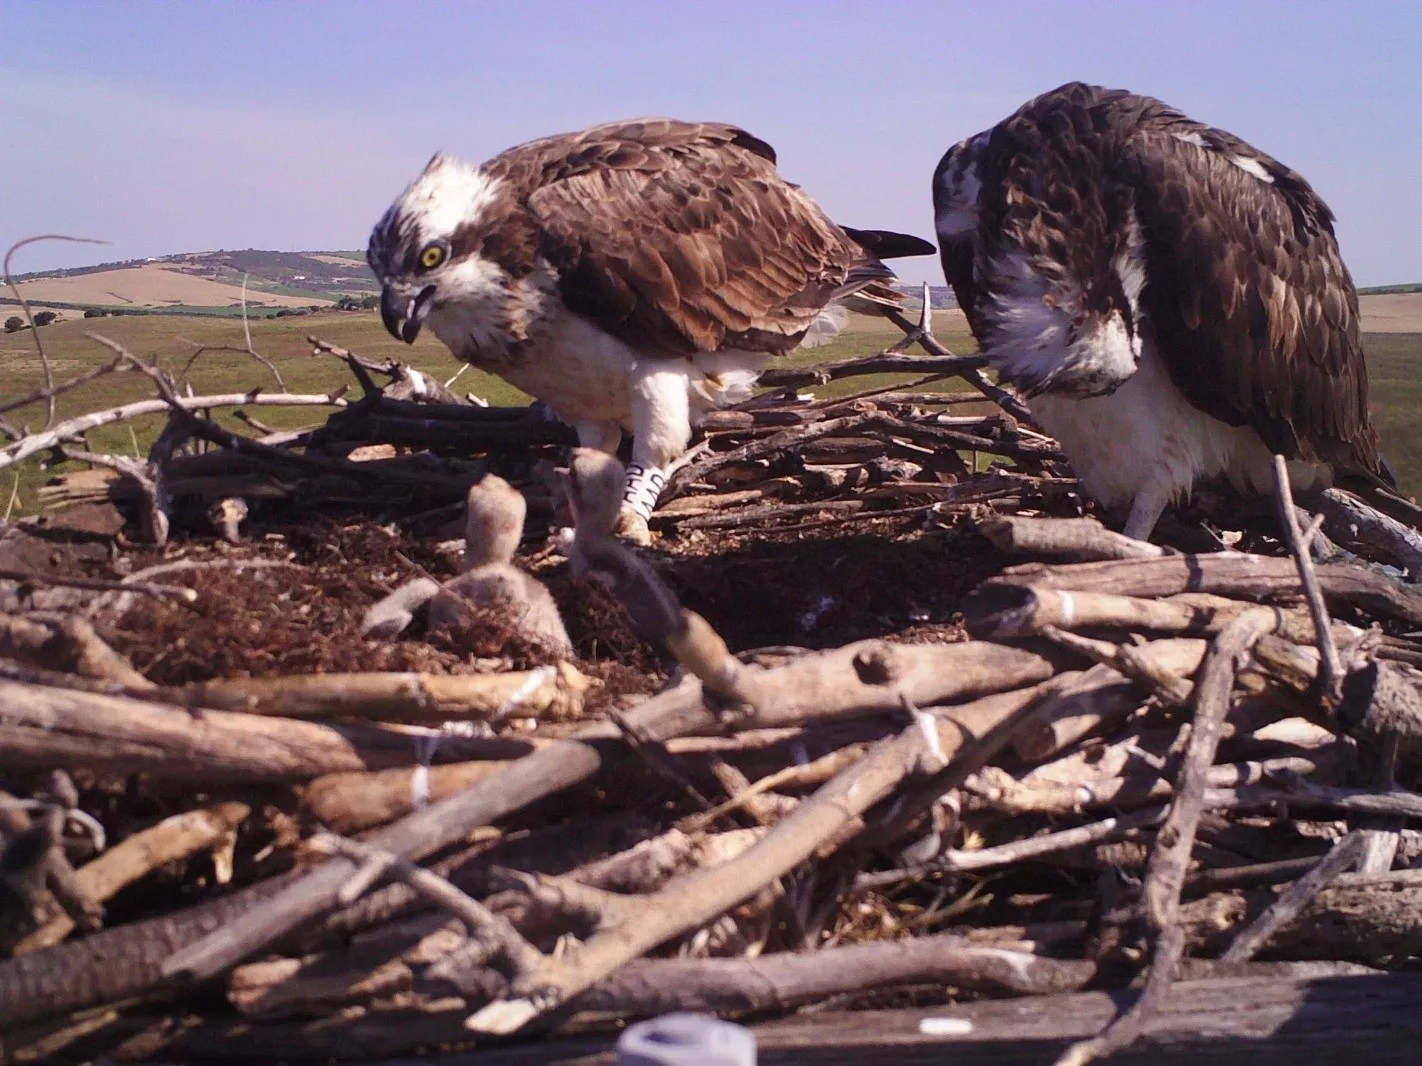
x=1394 y=312
x=152 y=285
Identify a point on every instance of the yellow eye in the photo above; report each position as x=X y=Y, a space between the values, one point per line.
x=432 y=256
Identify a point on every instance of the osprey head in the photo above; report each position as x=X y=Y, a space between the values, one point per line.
x=1068 y=323
x=425 y=249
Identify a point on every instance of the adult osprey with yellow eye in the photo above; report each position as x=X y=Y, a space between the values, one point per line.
x=630 y=275
x=1171 y=299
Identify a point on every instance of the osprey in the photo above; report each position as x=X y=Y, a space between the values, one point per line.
x=1170 y=299
x=632 y=276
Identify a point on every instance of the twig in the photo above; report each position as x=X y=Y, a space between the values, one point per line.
x=996 y=393
x=49 y=392
x=1122 y=1032
x=1017 y=851
x=1170 y=860
x=38 y=442
x=522 y=956
x=1330 y=678
x=143 y=588
x=1074 y=539
x=145 y=851
x=1344 y=854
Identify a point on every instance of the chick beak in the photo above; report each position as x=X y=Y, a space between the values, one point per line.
x=403 y=315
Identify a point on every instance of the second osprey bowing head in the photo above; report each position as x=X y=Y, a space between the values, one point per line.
x=1171 y=299
x=631 y=276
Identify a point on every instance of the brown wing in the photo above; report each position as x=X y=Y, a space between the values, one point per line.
x=1252 y=307
x=681 y=237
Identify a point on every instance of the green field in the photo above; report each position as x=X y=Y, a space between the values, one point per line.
x=1395 y=359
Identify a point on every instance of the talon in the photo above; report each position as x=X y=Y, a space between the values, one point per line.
x=632 y=527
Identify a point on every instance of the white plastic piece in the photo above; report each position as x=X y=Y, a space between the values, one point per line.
x=686 y=1040
x=945 y=1026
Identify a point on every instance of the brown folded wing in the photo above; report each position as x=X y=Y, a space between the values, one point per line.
x=681 y=237
x=1252 y=306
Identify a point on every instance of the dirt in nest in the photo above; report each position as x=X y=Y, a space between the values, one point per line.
x=827 y=588
x=290 y=600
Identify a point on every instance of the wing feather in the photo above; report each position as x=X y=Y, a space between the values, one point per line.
x=680 y=237
x=1251 y=304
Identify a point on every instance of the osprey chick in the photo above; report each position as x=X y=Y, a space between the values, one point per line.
x=1171 y=300
x=632 y=276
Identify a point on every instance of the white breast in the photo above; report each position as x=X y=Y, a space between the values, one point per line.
x=1145 y=440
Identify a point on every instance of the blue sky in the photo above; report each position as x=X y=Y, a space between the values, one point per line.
x=170 y=127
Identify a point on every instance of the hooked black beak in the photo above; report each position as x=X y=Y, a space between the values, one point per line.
x=403 y=316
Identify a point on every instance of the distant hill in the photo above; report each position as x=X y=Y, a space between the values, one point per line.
x=941 y=295
x=208 y=282
x=1388 y=290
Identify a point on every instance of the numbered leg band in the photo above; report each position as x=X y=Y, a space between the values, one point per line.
x=643 y=487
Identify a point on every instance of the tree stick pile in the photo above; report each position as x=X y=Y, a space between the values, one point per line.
x=970 y=744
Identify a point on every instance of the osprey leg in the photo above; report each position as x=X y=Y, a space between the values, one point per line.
x=661 y=429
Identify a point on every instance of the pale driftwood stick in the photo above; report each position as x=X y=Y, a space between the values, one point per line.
x=879 y=363
x=551 y=692
x=1269 y=1013
x=647 y=866
x=1382 y=699
x=1072 y=539
x=1229 y=785
x=350 y=802
x=652 y=986
x=865 y=678
x=1306 y=795
x=1100 y=697
x=1349 y=519
x=46 y=727
x=785 y=980
x=1369 y=919
x=1133 y=662
x=1170 y=859
x=1236 y=574
x=1018 y=851
x=140 y=854
x=689 y=475
x=1331 y=675
x=1286 y=908
x=483 y=923
x=975 y=376
x=35 y=443
x=813 y=773
x=1007 y=611
x=1025 y=611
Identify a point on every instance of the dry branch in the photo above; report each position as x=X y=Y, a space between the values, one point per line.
x=956 y=746
x=551 y=692
x=46 y=727
x=1073 y=539
x=170 y=840
x=1248 y=577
